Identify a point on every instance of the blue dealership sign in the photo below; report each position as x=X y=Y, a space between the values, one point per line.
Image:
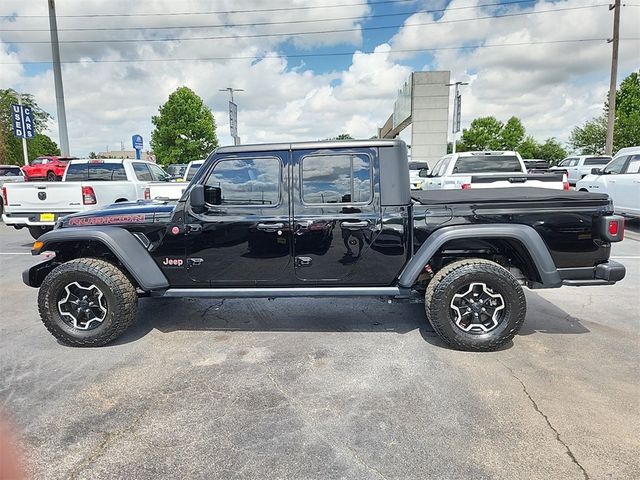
x=136 y=141
x=22 y=121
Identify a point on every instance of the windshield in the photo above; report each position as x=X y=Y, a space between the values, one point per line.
x=488 y=164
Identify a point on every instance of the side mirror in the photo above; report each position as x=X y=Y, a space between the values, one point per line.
x=196 y=199
x=424 y=172
x=213 y=195
x=596 y=171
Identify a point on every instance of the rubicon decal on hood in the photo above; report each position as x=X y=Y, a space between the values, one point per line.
x=106 y=220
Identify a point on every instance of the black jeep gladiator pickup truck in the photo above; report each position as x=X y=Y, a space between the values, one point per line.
x=325 y=219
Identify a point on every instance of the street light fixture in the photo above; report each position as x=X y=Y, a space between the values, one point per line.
x=457 y=106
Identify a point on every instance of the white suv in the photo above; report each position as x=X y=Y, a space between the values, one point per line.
x=578 y=166
x=620 y=179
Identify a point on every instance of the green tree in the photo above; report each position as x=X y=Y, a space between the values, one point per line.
x=10 y=146
x=626 y=131
x=590 y=139
x=527 y=148
x=512 y=134
x=483 y=134
x=40 y=145
x=551 y=151
x=93 y=155
x=185 y=129
x=344 y=136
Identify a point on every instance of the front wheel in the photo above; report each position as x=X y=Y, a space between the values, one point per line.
x=475 y=305
x=87 y=302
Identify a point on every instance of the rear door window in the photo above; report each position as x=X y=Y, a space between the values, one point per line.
x=342 y=178
x=488 y=164
x=81 y=172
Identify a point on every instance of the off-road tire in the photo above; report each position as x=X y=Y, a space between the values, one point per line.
x=447 y=281
x=36 y=231
x=120 y=295
x=52 y=177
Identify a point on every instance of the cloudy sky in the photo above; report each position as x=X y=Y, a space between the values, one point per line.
x=312 y=69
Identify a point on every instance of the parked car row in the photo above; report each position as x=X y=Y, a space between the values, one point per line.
x=86 y=184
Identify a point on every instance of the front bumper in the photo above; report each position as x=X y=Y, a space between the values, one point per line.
x=606 y=273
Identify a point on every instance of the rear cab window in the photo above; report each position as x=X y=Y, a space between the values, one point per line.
x=10 y=172
x=597 y=160
x=95 y=171
x=488 y=164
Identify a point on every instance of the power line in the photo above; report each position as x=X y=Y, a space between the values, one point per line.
x=264 y=35
x=252 y=10
x=327 y=54
x=229 y=25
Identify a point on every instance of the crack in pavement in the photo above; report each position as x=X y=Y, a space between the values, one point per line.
x=548 y=422
x=320 y=435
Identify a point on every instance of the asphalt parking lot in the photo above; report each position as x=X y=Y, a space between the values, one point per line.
x=301 y=389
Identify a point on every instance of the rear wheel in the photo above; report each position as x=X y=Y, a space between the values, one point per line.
x=475 y=304
x=36 y=231
x=87 y=302
x=51 y=177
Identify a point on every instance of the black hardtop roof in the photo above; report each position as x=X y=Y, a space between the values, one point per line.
x=315 y=145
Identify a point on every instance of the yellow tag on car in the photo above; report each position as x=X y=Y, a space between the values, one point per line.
x=47 y=217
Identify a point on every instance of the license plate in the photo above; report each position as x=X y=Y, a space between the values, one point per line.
x=47 y=217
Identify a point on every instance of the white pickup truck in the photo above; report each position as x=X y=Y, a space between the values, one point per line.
x=174 y=190
x=620 y=179
x=579 y=166
x=496 y=169
x=86 y=184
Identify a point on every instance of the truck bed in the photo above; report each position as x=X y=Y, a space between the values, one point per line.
x=519 y=195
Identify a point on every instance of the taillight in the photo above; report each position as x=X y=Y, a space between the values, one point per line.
x=466 y=186
x=565 y=183
x=5 y=200
x=88 y=196
x=147 y=194
x=613 y=228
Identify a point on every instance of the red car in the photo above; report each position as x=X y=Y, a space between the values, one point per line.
x=47 y=167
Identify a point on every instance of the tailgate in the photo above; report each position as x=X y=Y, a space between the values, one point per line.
x=540 y=180
x=43 y=197
x=164 y=190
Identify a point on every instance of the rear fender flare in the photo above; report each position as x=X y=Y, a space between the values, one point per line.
x=126 y=248
x=524 y=234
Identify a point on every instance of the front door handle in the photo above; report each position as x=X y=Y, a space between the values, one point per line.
x=270 y=227
x=354 y=225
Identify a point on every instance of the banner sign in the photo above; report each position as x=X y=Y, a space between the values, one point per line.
x=233 y=119
x=22 y=121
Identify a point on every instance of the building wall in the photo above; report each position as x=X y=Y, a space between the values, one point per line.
x=429 y=116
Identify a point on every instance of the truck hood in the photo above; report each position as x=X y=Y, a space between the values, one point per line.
x=130 y=213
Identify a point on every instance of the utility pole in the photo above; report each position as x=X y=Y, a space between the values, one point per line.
x=233 y=114
x=57 y=78
x=457 y=114
x=24 y=140
x=613 y=83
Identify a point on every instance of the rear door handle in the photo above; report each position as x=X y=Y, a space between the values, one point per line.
x=270 y=227
x=354 y=225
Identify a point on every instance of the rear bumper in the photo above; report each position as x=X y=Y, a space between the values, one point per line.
x=31 y=219
x=606 y=273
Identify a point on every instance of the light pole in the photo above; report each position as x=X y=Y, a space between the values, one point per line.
x=57 y=80
x=233 y=114
x=613 y=82
x=457 y=105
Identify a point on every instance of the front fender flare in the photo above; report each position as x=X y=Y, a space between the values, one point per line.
x=127 y=249
x=525 y=234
